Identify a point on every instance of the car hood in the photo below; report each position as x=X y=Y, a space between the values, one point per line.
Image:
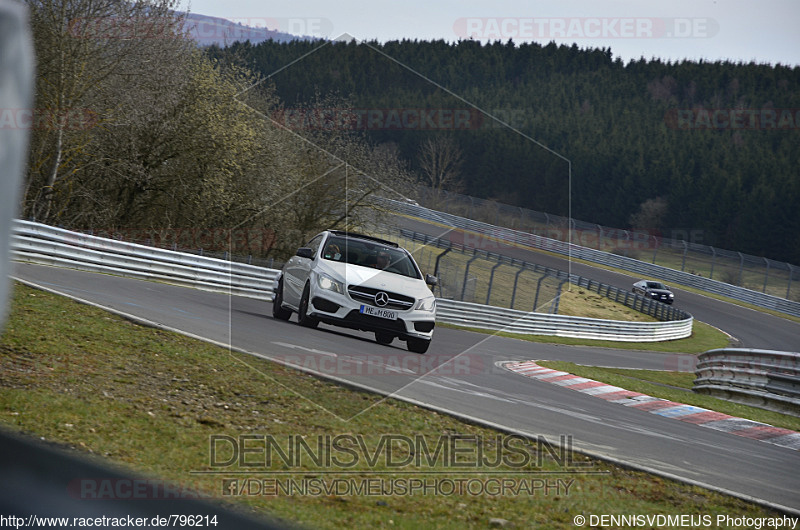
x=659 y=291
x=369 y=277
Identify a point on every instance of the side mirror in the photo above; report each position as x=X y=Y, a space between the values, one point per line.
x=305 y=252
x=431 y=280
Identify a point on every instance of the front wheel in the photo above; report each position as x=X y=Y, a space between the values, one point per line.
x=281 y=313
x=302 y=315
x=418 y=345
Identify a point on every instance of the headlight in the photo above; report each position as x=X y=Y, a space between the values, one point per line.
x=426 y=304
x=671 y=295
x=329 y=284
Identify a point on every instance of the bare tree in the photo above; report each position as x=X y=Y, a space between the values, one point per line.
x=440 y=160
x=650 y=215
x=81 y=47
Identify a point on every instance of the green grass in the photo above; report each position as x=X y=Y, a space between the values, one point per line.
x=150 y=400
x=673 y=386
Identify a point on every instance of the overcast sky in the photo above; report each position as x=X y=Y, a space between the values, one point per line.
x=766 y=31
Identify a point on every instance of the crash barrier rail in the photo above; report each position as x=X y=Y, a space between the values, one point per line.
x=676 y=252
x=48 y=245
x=763 y=378
x=658 y=310
x=512 y=321
x=641 y=268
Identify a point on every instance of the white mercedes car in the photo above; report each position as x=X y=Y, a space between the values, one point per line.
x=358 y=282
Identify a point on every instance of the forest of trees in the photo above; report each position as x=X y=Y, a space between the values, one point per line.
x=137 y=127
x=640 y=146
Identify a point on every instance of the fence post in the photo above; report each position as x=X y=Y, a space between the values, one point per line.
x=599 y=238
x=789 y=287
x=466 y=273
x=554 y=310
x=436 y=268
x=741 y=267
x=713 y=260
x=655 y=248
x=491 y=278
x=538 y=288
x=685 y=250
x=766 y=276
x=516 y=279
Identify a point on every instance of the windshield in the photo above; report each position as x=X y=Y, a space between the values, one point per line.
x=655 y=285
x=370 y=254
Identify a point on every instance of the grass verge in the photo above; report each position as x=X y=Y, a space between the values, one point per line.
x=152 y=400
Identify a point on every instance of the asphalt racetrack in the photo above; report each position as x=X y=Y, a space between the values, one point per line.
x=459 y=375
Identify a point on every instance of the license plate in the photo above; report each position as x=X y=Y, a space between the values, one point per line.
x=378 y=312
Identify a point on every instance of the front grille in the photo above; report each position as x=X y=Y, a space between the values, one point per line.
x=367 y=295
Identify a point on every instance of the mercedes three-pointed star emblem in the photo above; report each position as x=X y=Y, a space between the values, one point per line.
x=381 y=298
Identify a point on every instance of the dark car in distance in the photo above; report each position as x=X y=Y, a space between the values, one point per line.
x=654 y=290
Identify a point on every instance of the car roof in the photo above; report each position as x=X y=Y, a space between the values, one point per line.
x=354 y=235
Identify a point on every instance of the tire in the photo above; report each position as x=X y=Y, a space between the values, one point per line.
x=302 y=315
x=418 y=345
x=278 y=312
x=383 y=338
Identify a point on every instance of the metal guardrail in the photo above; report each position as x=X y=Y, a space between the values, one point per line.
x=762 y=378
x=658 y=310
x=519 y=322
x=641 y=268
x=42 y=244
x=47 y=245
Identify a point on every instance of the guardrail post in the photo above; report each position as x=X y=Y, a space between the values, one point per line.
x=789 y=287
x=766 y=276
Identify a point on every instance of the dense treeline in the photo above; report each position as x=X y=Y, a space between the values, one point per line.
x=642 y=151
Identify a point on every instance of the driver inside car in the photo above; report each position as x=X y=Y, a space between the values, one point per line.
x=333 y=252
